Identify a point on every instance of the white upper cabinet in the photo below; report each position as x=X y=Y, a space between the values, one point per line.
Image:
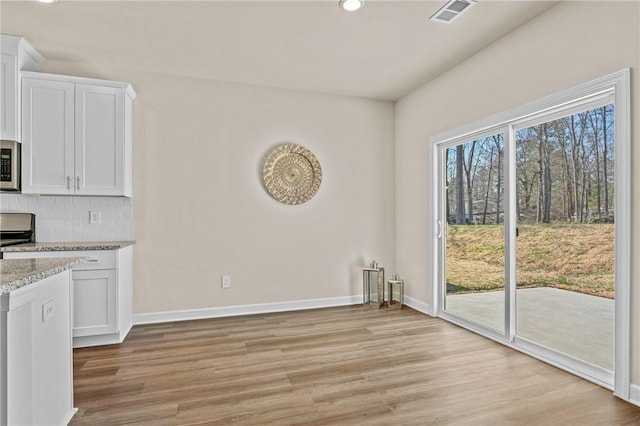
x=48 y=143
x=16 y=55
x=76 y=135
x=100 y=140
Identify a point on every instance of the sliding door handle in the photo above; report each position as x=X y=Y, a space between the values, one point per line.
x=439 y=224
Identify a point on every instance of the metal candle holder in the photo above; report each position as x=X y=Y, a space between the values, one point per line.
x=395 y=281
x=368 y=273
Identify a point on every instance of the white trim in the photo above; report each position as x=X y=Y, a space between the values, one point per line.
x=597 y=100
x=575 y=366
x=102 y=339
x=228 y=311
x=418 y=305
x=622 y=111
x=620 y=84
x=80 y=80
x=509 y=202
x=468 y=137
x=69 y=415
x=475 y=327
x=635 y=394
x=439 y=230
x=98 y=340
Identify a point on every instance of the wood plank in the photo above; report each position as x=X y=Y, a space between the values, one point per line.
x=339 y=366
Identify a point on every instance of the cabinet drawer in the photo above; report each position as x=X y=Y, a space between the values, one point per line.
x=98 y=259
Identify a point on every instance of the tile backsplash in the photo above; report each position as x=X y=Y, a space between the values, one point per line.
x=66 y=218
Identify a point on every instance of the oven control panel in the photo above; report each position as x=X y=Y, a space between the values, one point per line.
x=5 y=165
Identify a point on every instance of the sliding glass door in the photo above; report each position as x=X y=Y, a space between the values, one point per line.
x=526 y=234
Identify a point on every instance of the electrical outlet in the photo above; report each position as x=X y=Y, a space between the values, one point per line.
x=48 y=310
x=95 y=217
x=226 y=281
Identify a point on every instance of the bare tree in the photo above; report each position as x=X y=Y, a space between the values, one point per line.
x=605 y=161
x=563 y=172
x=497 y=141
x=468 y=167
x=447 y=203
x=576 y=130
x=595 y=138
x=459 y=184
x=546 y=181
x=488 y=188
x=527 y=173
x=567 y=186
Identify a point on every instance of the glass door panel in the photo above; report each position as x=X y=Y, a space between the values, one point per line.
x=565 y=242
x=474 y=246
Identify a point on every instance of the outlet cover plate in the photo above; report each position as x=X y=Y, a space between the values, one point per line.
x=95 y=217
x=48 y=310
x=226 y=281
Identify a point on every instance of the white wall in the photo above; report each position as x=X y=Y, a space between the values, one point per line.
x=200 y=209
x=66 y=218
x=573 y=43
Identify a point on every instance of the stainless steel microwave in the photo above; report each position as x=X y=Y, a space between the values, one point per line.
x=10 y=166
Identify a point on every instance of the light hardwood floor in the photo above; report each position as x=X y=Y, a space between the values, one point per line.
x=337 y=366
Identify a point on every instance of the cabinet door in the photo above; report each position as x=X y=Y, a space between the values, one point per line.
x=8 y=98
x=47 y=137
x=100 y=139
x=95 y=302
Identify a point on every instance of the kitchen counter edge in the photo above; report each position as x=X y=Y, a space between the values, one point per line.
x=67 y=246
x=18 y=273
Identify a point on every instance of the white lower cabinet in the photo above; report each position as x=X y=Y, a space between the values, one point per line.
x=102 y=294
x=95 y=295
x=36 y=362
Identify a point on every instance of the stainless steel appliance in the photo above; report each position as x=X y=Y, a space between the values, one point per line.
x=9 y=166
x=17 y=228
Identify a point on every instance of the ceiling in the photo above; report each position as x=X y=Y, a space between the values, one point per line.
x=381 y=52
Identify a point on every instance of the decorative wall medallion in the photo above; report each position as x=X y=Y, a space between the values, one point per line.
x=292 y=174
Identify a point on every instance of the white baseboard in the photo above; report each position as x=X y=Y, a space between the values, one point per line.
x=634 y=394
x=228 y=311
x=417 y=305
x=99 y=340
x=69 y=416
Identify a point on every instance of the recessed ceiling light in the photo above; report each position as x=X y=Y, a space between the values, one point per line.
x=351 y=5
x=47 y=1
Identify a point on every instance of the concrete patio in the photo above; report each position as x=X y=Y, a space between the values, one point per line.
x=573 y=323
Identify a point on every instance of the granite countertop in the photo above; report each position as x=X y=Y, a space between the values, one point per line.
x=68 y=246
x=17 y=273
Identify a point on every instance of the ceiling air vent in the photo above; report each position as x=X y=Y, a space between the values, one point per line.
x=450 y=11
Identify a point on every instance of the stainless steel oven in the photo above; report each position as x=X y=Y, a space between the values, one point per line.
x=17 y=228
x=10 y=166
